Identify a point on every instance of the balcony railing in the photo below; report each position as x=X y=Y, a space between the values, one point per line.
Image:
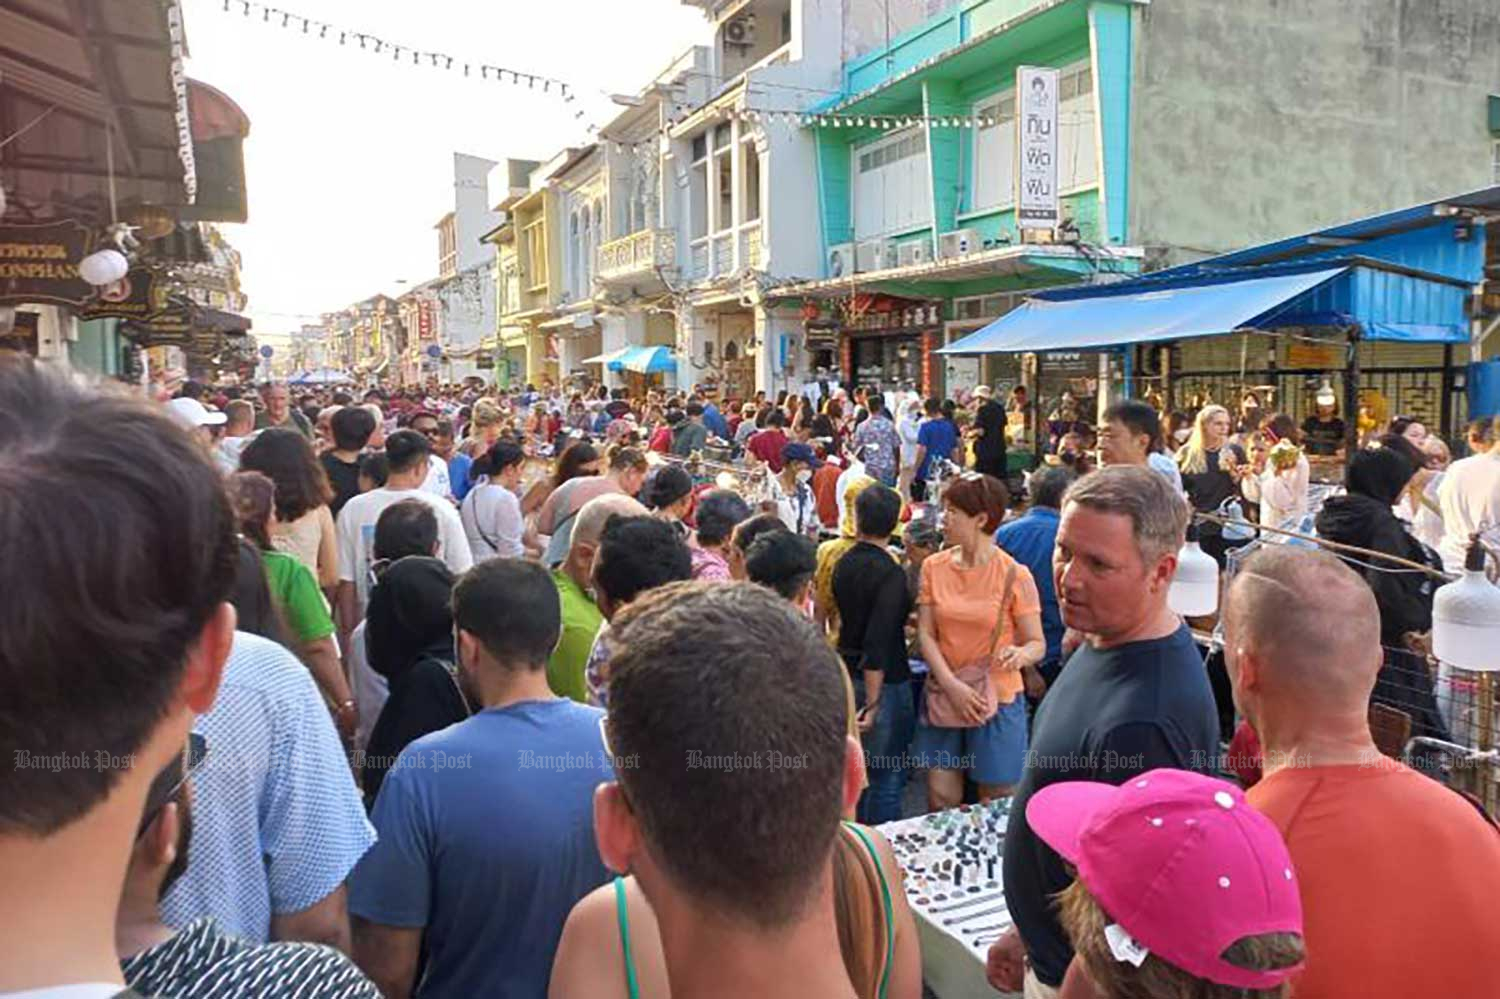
x=750 y=246
x=639 y=253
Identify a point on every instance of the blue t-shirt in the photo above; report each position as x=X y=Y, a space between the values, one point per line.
x=458 y=475
x=1030 y=541
x=487 y=840
x=939 y=438
x=715 y=422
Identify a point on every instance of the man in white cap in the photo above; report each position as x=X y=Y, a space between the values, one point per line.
x=197 y=418
x=989 y=434
x=1324 y=430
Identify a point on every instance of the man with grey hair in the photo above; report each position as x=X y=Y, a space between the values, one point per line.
x=1302 y=646
x=581 y=617
x=1134 y=697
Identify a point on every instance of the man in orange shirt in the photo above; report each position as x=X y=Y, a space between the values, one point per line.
x=1400 y=876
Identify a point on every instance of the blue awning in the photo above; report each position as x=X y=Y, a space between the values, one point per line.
x=1111 y=316
x=644 y=360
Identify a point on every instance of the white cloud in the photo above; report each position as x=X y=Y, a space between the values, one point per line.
x=349 y=160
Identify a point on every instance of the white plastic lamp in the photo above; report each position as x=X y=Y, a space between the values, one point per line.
x=1466 y=618
x=103 y=267
x=1195 y=586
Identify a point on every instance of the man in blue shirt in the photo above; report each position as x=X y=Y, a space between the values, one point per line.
x=712 y=418
x=936 y=439
x=1030 y=540
x=486 y=827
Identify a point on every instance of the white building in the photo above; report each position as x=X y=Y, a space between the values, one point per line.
x=466 y=271
x=737 y=234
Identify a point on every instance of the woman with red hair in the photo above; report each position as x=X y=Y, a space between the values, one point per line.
x=979 y=624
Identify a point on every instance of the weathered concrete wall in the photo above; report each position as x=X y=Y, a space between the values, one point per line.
x=1258 y=119
x=868 y=24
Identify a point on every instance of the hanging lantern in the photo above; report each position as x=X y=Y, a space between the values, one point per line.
x=1466 y=618
x=1195 y=586
x=103 y=267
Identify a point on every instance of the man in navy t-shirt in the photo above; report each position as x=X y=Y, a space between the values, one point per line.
x=486 y=827
x=1133 y=698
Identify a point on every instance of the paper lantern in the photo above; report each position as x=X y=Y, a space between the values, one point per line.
x=103 y=267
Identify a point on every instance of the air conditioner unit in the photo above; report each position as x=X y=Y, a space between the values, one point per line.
x=957 y=243
x=740 y=31
x=874 y=255
x=841 y=260
x=914 y=253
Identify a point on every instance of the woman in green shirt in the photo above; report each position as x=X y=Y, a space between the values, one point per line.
x=309 y=626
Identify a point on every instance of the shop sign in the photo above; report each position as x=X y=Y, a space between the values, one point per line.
x=39 y=263
x=1036 y=150
x=135 y=296
x=424 y=320
x=910 y=318
x=1315 y=356
x=169 y=329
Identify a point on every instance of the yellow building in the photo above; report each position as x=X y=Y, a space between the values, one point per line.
x=529 y=268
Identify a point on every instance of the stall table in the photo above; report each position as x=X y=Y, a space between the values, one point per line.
x=950 y=862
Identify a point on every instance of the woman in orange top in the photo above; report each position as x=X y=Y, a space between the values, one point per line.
x=966 y=616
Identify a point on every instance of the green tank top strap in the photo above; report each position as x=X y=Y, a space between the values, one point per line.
x=633 y=987
x=885 y=898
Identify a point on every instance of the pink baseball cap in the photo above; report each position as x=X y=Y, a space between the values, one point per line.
x=1182 y=864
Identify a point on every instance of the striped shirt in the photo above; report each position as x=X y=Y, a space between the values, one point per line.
x=204 y=962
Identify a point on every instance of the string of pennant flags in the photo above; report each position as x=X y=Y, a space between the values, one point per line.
x=398 y=52
x=401 y=53
x=813 y=119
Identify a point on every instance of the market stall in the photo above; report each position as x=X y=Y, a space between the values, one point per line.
x=1374 y=312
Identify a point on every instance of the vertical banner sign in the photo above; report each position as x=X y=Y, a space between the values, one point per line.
x=1036 y=150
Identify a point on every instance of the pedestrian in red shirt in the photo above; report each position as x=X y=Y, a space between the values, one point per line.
x=766 y=446
x=1399 y=874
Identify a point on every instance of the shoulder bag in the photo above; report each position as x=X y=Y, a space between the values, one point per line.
x=940 y=710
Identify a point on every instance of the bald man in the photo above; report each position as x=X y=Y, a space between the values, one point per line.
x=1400 y=876
x=581 y=617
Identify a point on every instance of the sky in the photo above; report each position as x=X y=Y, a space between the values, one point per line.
x=350 y=156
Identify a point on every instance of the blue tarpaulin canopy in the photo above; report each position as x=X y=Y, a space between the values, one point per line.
x=1386 y=303
x=644 y=360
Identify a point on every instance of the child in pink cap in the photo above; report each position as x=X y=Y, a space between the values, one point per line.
x=1183 y=889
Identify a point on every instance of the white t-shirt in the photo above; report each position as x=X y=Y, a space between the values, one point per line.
x=1469 y=496
x=437 y=482
x=1164 y=464
x=356 y=535
x=370 y=689
x=491 y=516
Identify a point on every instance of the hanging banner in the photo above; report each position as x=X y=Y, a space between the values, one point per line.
x=1036 y=148
x=39 y=263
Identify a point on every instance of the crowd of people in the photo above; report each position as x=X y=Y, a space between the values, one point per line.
x=471 y=692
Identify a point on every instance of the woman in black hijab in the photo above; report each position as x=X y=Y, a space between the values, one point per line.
x=1365 y=518
x=409 y=640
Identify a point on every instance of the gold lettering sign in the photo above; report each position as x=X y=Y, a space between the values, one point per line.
x=39 y=263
